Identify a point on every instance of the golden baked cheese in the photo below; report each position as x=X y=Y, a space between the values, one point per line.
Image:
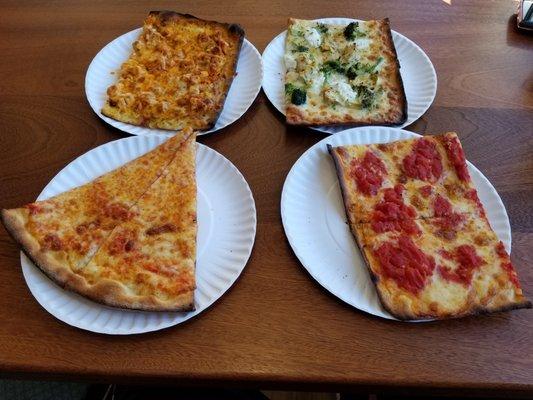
x=178 y=74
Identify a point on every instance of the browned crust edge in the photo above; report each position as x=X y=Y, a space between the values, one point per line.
x=106 y=292
x=64 y=278
x=390 y=43
x=295 y=117
x=376 y=280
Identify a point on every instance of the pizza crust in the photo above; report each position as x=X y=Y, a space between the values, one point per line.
x=106 y=291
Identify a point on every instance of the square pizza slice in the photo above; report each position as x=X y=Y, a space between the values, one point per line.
x=342 y=74
x=178 y=74
x=424 y=274
x=416 y=178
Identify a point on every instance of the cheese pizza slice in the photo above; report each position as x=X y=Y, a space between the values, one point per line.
x=424 y=274
x=148 y=261
x=342 y=74
x=61 y=234
x=178 y=74
x=405 y=179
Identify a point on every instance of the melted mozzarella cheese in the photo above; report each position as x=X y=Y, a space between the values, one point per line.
x=315 y=81
x=339 y=90
x=313 y=37
x=362 y=43
x=290 y=62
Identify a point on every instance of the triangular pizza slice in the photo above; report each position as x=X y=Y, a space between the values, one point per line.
x=61 y=234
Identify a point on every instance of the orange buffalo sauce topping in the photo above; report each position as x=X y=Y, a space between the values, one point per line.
x=368 y=173
x=405 y=263
x=426 y=191
x=424 y=161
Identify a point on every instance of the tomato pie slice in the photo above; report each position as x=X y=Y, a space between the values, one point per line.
x=422 y=229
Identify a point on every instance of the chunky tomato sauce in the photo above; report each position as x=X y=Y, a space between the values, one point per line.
x=426 y=191
x=500 y=250
x=506 y=265
x=457 y=157
x=117 y=211
x=405 y=263
x=511 y=273
x=424 y=161
x=472 y=195
x=34 y=208
x=467 y=262
x=447 y=220
x=392 y=214
x=52 y=242
x=368 y=173
x=122 y=243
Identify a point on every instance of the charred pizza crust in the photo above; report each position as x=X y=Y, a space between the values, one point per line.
x=105 y=291
x=325 y=110
x=188 y=64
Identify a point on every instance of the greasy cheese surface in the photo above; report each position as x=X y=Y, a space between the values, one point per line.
x=423 y=167
x=178 y=74
x=153 y=253
x=346 y=74
x=70 y=227
x=417 y=218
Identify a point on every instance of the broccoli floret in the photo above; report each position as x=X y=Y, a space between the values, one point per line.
x=298 y=97
x=332 y=66
x=289 y=88
x=352 y=31
x=349 y=31
x=300 y=49
x=322 y=28
x=366 y=96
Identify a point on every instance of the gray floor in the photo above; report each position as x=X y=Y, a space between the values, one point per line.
x=31 y=390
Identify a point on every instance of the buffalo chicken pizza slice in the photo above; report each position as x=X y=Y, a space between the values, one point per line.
x=148 y=261
x=62 y=234
x=424 y=273
x=178 y=74
x=342 y=74
x=414 y=178
x=422 y=229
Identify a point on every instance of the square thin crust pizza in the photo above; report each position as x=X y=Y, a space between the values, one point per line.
x=178 y=74
x=342 y=74
x=423 y=232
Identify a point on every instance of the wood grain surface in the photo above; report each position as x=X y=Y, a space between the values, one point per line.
x=276 y=328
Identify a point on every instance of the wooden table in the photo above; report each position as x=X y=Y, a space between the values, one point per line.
x=276 y=327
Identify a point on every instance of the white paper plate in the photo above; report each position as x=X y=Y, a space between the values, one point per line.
x=418 y=75
x=314 y=219
x=241 y=95
x=226 y=233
